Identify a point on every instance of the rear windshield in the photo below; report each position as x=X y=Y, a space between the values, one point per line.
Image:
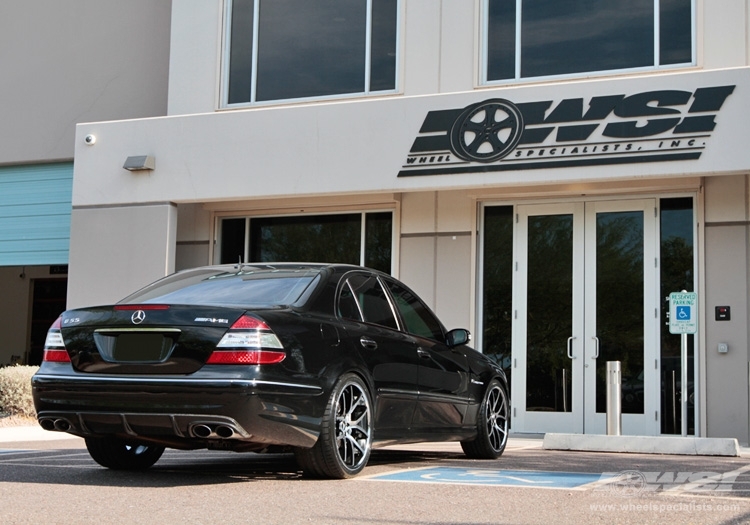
x=217 y=287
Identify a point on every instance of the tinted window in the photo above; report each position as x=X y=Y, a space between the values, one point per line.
x=416 y=316
x=224 y=288
x=371 y=299
x=579 y=36
x=310 y=238
x=310 y=49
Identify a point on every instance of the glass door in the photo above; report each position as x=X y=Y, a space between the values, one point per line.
x=621 y=321
x=584 y=293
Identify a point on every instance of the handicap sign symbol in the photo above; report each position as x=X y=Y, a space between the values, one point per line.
x=683 y=313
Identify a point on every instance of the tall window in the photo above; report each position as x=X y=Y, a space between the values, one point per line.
x=541 y=38
x=352 y=238
x=296 y=49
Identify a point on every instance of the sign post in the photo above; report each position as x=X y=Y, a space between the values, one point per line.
x=683 y=320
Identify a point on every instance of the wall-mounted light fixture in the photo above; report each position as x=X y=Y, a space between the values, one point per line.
x=140 y=163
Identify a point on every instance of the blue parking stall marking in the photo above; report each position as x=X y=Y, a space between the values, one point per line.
x=491 y=477
x=13 y=451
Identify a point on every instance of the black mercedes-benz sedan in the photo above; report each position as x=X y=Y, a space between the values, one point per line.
x=324 y=360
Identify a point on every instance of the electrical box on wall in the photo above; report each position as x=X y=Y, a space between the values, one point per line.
x=723 y=313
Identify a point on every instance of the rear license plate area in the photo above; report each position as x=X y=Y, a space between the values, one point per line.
x=134 y=347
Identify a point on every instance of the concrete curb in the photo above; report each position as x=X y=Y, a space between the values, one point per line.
x=679 y=445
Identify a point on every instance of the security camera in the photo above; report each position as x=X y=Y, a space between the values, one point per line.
x=90 y=140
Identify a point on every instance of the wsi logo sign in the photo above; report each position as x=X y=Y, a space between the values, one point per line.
x=498 y=135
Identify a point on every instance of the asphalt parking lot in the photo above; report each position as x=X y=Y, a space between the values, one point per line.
x=46 y=480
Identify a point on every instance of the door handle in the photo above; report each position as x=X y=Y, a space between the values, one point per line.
x=596 y=347
x=570 y=347
x=368 y=343
x=421 y=352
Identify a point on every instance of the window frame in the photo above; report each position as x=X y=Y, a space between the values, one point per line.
x=226 y=49
x=517 y=78
x=363 y=212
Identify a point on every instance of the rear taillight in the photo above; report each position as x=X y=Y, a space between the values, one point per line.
x=54 y=347
x=249 y=341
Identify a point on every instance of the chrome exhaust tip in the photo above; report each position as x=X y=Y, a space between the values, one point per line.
x=47 y=424
x=201 y=431
x=224 y=431
x=63 y=425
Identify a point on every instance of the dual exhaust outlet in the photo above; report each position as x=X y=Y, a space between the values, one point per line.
x=200 y=430
x=59 y=424
x=203 y=430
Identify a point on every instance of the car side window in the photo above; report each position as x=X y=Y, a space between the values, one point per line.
x=363 y=294
x=348 y=307
x=419 y=320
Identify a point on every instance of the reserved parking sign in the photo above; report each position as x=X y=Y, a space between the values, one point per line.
x=683 y=318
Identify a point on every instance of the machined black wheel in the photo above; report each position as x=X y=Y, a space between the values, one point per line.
x=119 y=454
x=492 y=425
x=345 y=441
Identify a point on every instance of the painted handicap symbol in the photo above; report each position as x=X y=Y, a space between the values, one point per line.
x=683 y=313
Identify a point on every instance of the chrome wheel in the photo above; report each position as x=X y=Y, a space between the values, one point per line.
x=496 y=418
x=492 y=425
x=345 y=440
x=353 y=436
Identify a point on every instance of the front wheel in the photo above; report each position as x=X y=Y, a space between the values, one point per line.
x=343 y=447
x=492 y=425
x=119 y=454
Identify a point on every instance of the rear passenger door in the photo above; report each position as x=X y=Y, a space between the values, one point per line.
x=390 y=354
x=443 y=372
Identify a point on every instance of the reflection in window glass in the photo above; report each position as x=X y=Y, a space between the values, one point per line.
x=320 y=238
x=310 y=49
x=372 y=300
x=549 y=282
x=497 y=289
x=233 y=240
x=378 y=237
x=332 y=238
x=675 y=30
x=416 y=316
x=579 y=36
x=619 y=305
x=677 y=256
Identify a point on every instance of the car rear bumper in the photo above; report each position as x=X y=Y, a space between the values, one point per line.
x=181 y=413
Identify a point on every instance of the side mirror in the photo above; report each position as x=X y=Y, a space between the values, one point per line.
x=457 y=337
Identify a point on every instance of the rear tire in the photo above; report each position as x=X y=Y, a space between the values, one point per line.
x=492 y=425
x=343 y=447
x=119 y=454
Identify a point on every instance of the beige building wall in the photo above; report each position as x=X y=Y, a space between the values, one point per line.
x=135 y=243
x=436 y=252
x=726 y=254
x=70 y=62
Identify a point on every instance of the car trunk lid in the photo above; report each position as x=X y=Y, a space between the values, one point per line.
x=145 y=338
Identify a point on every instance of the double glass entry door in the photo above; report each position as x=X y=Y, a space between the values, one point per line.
x=585 y=290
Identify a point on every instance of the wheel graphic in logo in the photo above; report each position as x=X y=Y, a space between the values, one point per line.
x=487 y=131
x=628 y=483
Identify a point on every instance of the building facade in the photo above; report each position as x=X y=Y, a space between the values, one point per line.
x=63 y=63
x=543 y=173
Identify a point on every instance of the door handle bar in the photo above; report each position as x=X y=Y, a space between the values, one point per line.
x=570 y=347
x=596 y=348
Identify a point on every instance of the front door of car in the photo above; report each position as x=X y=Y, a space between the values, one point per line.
x=390 y=354
x=443 y=372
